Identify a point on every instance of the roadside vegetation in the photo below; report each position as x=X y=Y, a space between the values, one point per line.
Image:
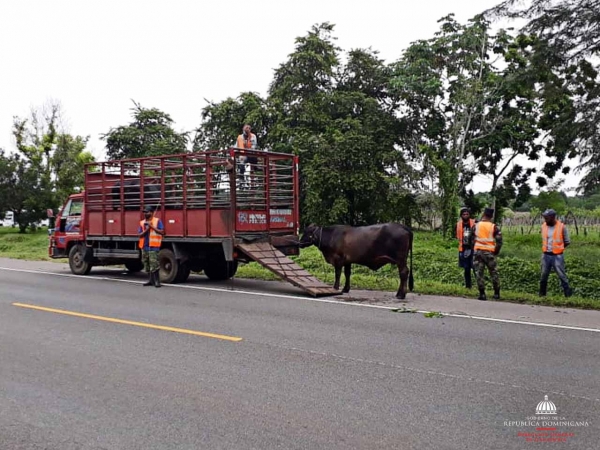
x=434 y=263
x=32 y=245
x=436 y=272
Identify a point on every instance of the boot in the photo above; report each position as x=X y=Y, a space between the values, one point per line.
x=157 y=279
x=568 y=292
x=497 y=294
x=468 y=282
x=150 y=281
x=482 y=295
x=543 y=288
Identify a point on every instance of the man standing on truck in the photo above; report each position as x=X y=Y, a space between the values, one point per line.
x=150 y=232
x=247 y=141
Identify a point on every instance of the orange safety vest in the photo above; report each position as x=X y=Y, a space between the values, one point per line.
x=155 y=239
x=558 y=244
x=244 y=143
x=484 y=237
x=459 y=232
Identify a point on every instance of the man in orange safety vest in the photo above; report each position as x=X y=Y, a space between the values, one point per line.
x=151 y=232
x=488 y=241
x=555 y=238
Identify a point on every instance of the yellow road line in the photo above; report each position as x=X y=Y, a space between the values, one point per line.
x=129 y=322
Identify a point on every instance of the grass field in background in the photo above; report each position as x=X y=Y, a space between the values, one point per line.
x=32 y=246
x=435 y=264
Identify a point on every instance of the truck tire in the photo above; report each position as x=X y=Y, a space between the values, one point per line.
x=221 y=270
x=77 y=262
x=183 y=273
x=134 y=266
x=168 y=265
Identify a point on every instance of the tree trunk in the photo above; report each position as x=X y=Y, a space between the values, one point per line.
x=448 y=180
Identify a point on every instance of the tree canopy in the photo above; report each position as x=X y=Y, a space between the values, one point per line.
x=473 y=102
x=47 y=167
x=150 y=133
x=569 y=31
x=337 y=116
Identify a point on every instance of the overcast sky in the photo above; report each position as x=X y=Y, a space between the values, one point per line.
x=96 y=57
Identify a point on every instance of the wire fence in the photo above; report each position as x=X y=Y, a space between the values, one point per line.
x=528 y=224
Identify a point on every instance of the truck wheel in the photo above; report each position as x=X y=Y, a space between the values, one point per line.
x=183 y=273
x=169 y=266
x=76 y=261
x=134 y=266
x=221 y=270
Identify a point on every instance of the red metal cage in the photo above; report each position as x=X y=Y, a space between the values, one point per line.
x=206 y=194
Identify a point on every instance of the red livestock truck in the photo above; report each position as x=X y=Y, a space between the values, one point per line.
x=214 y=217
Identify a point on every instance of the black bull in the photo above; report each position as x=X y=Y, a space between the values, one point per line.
x=372 y=246
x=131 y=194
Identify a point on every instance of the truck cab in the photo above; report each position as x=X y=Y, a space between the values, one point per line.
x=68 y=230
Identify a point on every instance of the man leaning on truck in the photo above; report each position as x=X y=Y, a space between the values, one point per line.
x=151 y=231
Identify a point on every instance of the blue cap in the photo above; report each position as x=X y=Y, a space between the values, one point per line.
x=549 y=213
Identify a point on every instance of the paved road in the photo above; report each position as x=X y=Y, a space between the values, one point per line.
x=305 y=374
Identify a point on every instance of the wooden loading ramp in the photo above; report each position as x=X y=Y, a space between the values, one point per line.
x=271 y=258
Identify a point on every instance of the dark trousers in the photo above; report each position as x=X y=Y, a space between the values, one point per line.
x=556 y=262
x=467 y=264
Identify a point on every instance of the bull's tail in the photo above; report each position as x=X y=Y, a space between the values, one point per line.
x=411 y=280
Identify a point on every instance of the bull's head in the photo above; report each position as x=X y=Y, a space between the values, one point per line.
x=309 y=236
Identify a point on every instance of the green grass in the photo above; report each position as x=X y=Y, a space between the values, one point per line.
x=436 y=270
x=435 y=267
x=32 y=246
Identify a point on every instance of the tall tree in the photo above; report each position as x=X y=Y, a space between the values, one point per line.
x=68 y=161
x=35 y=136
x=571 y=31
x=571 y=27
x=7 y=170
x=481 y=103
x=23 y=190
x=442 y=83
x=49 y=163
x=299 y=90
x=359 y=147
x=150 y=134
x=222 y=122
x=530 y=114
x=339 y=118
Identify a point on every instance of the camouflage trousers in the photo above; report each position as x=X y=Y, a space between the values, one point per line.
x=150 y=260
x=480 y=262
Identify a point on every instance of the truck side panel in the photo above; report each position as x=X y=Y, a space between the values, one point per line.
x=195 y=195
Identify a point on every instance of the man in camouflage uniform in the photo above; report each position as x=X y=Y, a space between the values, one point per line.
x=150 y=232
x=488 y=241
